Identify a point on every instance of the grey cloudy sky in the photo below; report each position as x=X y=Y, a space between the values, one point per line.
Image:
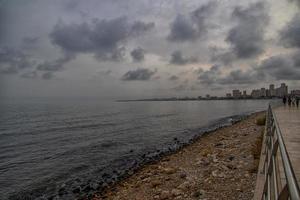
x=146 y=48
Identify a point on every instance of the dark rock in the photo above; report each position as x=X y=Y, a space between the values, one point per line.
x=62 y=191
x=230 y=158
x=76 y=190
x=218 y=144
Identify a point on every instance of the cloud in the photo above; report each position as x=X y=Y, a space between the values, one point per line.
x=181 y=87
x=241 y=77
x=296 y=1
x=12 y=61
x=138 y=54
x=178 y=59
x=140 y=74
x=192 y=27
x=290 y=35
x=222 y=55
x=56 y=65
x=173 y=78
x=281 y=67
x=210 y=76
x=30 y=40
x=47 y=75
x=30 y=75
x=214 y=77
x=103 y=38
x=138 y=28
x=247 y=36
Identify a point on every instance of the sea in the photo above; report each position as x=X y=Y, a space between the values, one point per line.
x=65 y=149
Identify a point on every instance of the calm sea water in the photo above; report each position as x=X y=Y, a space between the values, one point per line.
x=55 y=147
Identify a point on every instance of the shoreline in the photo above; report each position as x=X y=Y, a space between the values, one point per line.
x=210 y=147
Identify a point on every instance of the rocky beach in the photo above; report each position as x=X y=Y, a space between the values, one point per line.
x=219 y=165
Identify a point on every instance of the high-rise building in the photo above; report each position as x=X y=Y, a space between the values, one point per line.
x=263 y=92
x=272 y=91
x=255 y=93
x=282 y=90
x=236 y=93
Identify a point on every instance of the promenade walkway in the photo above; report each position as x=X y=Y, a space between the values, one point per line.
x=289 y=122
x=288 y=119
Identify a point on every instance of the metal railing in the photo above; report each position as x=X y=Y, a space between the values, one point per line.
x=275 y=186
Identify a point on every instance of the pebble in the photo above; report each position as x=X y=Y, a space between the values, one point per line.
x=169 y=170
x=165 y=195
x=182 y=175
x=176 y=192
x=155 y=183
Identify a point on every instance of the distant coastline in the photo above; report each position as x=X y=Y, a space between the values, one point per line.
x=196 y=99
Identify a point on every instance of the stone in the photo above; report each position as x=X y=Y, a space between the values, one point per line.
x=176 y=192
x=185 y=185
x=169 y=170
x=165 y=195
x=155 y=183
x=182 y=175
x=214 y=173
x=231 y=158
x=198 y=193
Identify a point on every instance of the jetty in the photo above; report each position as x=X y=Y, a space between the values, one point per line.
x=279 y=169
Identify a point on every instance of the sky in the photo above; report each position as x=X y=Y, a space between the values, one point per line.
x=126 y=49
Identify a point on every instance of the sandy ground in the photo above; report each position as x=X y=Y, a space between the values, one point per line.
x=219 y=165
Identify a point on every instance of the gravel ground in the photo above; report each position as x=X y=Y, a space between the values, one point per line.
x=219 y=165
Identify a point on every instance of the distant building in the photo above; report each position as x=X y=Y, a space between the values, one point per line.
x=263 y=92
x=272 y=92
x=282 y=90
x=295 y=92
x=207 y=96
x=255 y=93
x=244 y=93
x=228 y=95
x=236 y=93
x=268 y=93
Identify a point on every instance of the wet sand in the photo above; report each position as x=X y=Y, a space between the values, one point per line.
x=219 y=165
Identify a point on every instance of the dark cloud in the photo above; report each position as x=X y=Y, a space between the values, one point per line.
x=210 y=76
x=247 y=36
x=173 y=78
x=241 y=77
x=221 y=55
x=296 y=58
x=138 y=28
x=280 y=67
x=138 y=54
x=56 y=65
x=290 y=35
x=104 y=38
x=12 y=61
x=178 y=59
x=214 y=77
x=140 y=74
x=182 y=30
x=192 y=27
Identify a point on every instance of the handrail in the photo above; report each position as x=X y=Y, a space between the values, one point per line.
x=273 y=143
